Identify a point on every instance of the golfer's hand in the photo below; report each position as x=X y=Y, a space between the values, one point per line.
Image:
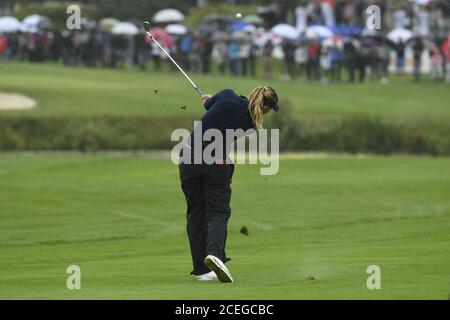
x=205 y=97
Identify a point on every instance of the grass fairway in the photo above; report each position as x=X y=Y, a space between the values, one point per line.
x=71 y=92
x=314 y=229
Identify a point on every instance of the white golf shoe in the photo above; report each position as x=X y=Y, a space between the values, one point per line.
x=210 y=276
x=216 y=265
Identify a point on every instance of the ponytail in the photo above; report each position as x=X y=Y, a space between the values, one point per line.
x=256 y=103
x=259 y=97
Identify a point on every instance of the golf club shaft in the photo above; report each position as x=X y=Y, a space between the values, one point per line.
x=176 y=64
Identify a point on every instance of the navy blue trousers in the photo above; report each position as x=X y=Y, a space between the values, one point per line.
x=207 y=189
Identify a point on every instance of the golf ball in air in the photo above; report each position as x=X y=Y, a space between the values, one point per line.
x=238 y=15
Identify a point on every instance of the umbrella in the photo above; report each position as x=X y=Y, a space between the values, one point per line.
x=215 y=22
x=32 y=20
x=36 y=21
x=250 y=28
x=284 y=30
x=28 y=29
x=253 y=19
x=9 y=24
x=167 y=16
x=108 y=24
x=346 y=30
x=400 y=34
x=315 y=32
x=176 y=29
x=161 y=36
x=206 y=29
x=242 y=26
x=125 y=28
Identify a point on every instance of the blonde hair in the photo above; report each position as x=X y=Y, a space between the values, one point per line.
x=260 y=97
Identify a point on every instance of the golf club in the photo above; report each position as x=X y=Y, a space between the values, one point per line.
x=147 y=30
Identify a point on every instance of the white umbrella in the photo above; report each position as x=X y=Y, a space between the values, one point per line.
x=315 y=32
x=28 y=29
x=400 y=34
x=285 y=31
x=107 y=24
x=168 y=15
x=125 y=28
x=36 y=21
x=176 y=29
x=9 y=24
x=32 y=20
x=250 y=28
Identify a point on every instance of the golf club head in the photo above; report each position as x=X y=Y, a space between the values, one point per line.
x=147 y=26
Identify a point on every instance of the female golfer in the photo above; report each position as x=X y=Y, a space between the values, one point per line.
x=207 y=186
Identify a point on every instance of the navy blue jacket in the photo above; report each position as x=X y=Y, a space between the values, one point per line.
x=225 y=110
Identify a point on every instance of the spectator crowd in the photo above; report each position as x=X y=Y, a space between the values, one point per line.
x=342 y=49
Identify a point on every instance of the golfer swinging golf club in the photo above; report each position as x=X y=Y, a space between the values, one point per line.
x=207 y=187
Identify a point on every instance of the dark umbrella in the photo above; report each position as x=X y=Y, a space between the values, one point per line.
x=217 y=22
x=206 y=29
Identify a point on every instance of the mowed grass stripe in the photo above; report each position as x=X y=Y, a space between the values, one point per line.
x=314 y=229
x=77 y=92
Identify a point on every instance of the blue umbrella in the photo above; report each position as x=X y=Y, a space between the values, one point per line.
x=346 y=30
x=239 y=26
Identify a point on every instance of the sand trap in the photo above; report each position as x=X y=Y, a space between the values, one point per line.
x=15 y=101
